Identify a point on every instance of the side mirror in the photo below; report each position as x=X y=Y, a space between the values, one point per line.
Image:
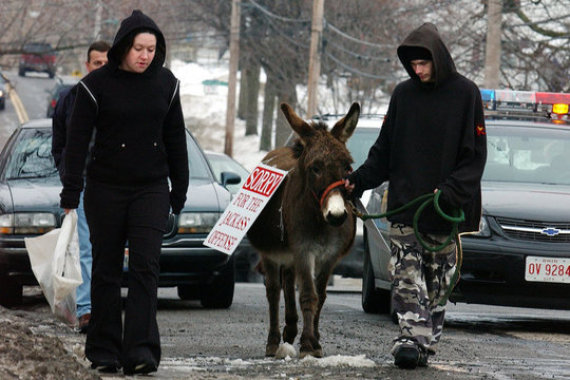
x=229 y=178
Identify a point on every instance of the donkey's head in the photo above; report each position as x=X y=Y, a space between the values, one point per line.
x=324 y=161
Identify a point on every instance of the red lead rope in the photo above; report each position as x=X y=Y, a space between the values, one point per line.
x=331 y=187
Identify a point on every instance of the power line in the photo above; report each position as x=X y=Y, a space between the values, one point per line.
x=330 y=26
x=277 y=17
x=354 y=70
x=328 y=43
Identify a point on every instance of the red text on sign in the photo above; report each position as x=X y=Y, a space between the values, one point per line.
x=263 y=181
x=222 y=240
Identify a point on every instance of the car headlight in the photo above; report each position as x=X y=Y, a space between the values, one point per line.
x=484 y=230
x=27 y=223
x=1 y=93
x=197 y=222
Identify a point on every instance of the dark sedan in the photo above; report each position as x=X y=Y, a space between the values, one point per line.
x=29 y=206
x=521 y=255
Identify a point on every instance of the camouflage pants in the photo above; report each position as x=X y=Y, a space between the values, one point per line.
x=420 y=280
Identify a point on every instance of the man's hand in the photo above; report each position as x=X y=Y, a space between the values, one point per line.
x=67 y=210
x=349 y=187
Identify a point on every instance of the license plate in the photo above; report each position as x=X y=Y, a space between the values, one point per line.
x=547 y=269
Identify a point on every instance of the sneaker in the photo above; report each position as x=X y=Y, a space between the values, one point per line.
x=142 y=368
x=84 y=323
x=407 y=357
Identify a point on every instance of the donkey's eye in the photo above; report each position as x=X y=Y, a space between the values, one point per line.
x=315 y=170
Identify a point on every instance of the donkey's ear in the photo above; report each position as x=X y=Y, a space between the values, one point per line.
x=344 y=128
x=299 y=125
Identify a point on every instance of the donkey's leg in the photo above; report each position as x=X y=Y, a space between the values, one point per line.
x=273 y=293
x=308 y=301
x=321 y=285
x=291 y=316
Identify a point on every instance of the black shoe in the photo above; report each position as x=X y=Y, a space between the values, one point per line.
x=407 y=357
x=423 y=360
x=83 y=323
x=142 y=368
x=106 y=367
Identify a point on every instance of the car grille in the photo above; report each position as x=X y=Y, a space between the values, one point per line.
x=535 y=231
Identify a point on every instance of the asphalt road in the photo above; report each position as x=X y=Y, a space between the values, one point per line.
x=479 y=342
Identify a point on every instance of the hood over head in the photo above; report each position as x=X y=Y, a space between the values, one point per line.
x=426 y=43
x=129 y=28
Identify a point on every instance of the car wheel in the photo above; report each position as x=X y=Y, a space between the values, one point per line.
x=51 y=74
x=21 y=72
x=373 y=300
x=219 y=294
x=2 y=105
x=11 y=293
x=188 y=292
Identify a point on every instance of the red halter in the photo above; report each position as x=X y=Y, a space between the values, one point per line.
x=331 y=187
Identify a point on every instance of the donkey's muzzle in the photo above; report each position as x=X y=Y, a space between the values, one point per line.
x=336 y=220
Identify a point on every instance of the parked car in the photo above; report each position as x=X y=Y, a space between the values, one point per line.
x=38 y=57
x=521 y=254
x=3 y=91
x=246 y=257
x=29 y=206
x=62 y=85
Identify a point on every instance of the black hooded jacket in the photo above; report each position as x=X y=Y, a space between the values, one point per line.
x=140 y=134
x=433 y=136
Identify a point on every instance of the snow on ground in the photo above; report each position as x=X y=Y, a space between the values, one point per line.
x=206 y=106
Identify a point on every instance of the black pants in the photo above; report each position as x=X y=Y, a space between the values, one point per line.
x=117 y=214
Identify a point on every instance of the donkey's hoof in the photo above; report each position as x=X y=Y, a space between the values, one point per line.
x=318 y=353
x=271 y=349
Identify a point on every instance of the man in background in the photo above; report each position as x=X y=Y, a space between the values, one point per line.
x=96 y=58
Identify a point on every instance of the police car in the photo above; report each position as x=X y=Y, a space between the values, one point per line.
x=521 y=254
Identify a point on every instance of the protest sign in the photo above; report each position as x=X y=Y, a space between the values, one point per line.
x=245 y=208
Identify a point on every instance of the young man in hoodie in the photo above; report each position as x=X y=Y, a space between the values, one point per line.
x=433 y=138
x=133 y=106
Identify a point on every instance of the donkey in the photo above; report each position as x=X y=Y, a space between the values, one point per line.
x=306 y=227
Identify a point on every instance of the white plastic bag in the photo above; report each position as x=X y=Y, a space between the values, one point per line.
x=54 y=257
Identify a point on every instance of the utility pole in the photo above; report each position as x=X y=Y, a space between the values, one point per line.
x=493 y=46
x=232 y=80
x=97 y=24
x=315 y=56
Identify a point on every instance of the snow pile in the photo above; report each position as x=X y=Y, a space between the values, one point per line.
x=339 y=361
x=286 y=351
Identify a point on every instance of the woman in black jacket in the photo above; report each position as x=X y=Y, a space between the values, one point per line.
x=133 y=106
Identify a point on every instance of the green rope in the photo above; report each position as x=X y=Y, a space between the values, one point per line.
x=426 y=200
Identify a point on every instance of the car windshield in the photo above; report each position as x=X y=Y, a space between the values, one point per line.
x=31 y=155
x=531 y=155
x=359 y=144
x=38 y=48
x=196 y=161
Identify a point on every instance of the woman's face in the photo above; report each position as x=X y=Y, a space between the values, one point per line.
x=140 y=55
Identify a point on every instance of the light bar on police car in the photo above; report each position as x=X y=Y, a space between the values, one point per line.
x=549 y=103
